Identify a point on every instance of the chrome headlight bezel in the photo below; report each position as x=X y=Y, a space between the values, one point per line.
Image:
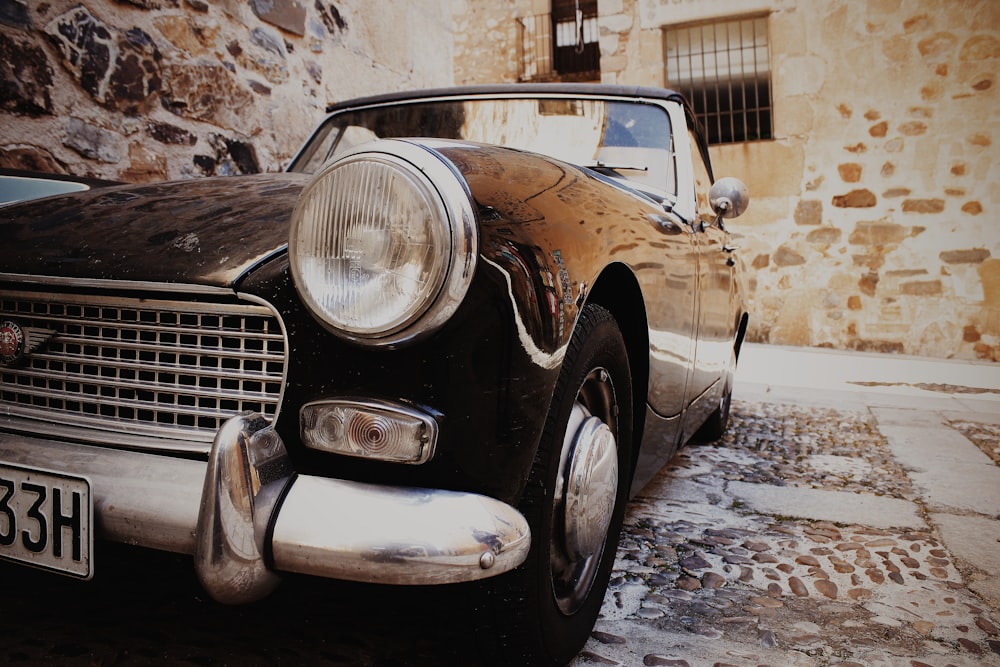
x=438 y=184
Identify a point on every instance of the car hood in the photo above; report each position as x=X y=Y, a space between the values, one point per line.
x=206 y=231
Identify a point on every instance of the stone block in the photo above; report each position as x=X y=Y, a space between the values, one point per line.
x=31 y=158
x=193 y=39
x=289 y=15
x=14 y=13
x=867 y=283
x=923 y=205
x=989 y=276
x=206 y=93
x=921 y=288
x=913 y=128
x=785 y=256
x=93 y=142
x=769 y=168
x=980 y=47
x=850 y=172
x=25 y=78
x=879 y=129
x=824 y=236
x=809 y=212
x=877 y=233
x=145 y=166
x=862 y=198
x=120 y=70
x=938 y=47
x=166 y=133
x=966 y=256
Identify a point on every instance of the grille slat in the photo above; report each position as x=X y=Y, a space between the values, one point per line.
x=137 y=326
x=64 y=394
x=159 y=368
x=107 y=402
x=222 y=353
x=134 y=367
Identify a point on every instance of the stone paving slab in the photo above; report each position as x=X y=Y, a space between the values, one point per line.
x=952 y=472
x=975 y=542
x=823 y=505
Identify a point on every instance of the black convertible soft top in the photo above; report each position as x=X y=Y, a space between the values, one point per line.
x=593 y=89
x=511 y=89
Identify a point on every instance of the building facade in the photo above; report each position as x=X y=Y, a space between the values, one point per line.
x=866 y=132
x=144 y=90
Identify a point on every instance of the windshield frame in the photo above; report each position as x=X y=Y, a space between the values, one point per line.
x=659 y=98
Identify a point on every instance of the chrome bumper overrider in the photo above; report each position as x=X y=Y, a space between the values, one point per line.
x=245 y=515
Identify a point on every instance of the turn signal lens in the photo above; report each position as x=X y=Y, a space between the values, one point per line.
x=369 y=429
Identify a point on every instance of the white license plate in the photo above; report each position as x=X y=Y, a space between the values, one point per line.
x=46 y=520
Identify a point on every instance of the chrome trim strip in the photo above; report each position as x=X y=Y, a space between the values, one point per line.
x=102 y=283
x=323 y=527
x=97 y=431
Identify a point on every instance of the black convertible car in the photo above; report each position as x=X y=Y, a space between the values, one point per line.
x=444 y=347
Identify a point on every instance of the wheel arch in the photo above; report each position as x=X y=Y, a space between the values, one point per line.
x=617 y=290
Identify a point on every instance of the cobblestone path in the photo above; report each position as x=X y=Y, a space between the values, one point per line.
x=702 y=580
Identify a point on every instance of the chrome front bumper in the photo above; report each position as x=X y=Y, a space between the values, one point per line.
x=245 y=515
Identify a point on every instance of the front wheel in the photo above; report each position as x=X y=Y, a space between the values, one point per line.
x=543 y=612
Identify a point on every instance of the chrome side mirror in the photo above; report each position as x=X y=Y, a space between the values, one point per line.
x=729 y=197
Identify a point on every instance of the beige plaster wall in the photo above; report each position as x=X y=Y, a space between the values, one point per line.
x=144 y=90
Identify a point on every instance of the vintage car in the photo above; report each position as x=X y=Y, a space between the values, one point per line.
x=443 y=348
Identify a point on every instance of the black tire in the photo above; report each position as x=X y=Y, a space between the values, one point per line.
x=717 y=423
x=543 y=612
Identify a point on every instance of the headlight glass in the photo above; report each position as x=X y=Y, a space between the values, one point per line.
x=374 y=245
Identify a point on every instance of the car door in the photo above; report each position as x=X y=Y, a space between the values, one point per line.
x=716 y=276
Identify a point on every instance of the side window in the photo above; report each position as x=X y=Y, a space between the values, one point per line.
x=702 y=183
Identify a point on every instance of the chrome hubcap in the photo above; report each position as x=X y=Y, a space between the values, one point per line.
x=591 y=486
x=586 y=490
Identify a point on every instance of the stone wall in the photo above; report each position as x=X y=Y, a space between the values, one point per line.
x=143 y=90
x=875 y=224
x=875 y=214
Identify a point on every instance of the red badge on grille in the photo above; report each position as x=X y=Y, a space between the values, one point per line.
x=11 y=341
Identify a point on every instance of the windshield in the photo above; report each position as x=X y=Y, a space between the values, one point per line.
x=625 y=140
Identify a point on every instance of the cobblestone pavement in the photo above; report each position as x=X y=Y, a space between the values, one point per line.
x=702 y=578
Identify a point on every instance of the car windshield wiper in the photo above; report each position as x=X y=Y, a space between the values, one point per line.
x=615 y=167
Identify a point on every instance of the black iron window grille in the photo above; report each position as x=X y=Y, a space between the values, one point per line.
x=723 y=69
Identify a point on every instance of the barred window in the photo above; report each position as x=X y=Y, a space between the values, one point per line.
x=723 y=69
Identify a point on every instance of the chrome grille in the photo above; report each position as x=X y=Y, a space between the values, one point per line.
x=146 y=368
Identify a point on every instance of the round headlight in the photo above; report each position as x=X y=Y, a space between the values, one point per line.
x=383 y=244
